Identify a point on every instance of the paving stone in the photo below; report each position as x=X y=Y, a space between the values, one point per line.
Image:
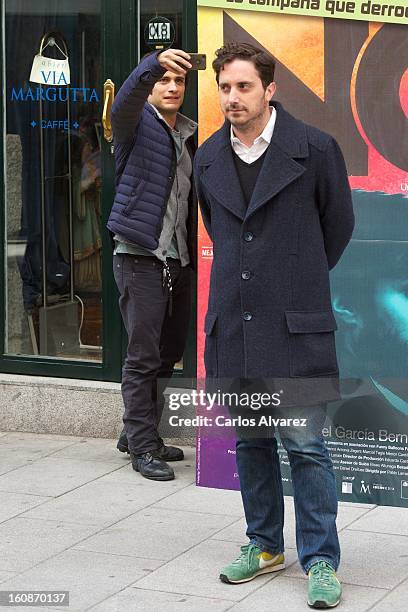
x=196 y=572
x=13 y=504
x=357 y=505
x=370 y=559
x=396 y=600
x=384 y=519
x=102 y=502
x=89 y=577
x=19 y=449
x=37 y=439
x=292 y=596
x=26 y=542
x=52 y=477
x=93 y=449
x=142 y=600
x=184 y=472
x=166 y=533
x=202 y=499
x=6 y=576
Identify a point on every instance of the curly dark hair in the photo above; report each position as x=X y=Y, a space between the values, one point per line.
x=263 y=62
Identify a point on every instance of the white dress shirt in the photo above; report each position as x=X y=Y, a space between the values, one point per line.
x=260 y=144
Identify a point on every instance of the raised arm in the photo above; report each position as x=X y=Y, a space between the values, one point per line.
x=128 y=105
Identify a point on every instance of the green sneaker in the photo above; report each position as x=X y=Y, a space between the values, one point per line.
x=324 y=587
x=252 y=562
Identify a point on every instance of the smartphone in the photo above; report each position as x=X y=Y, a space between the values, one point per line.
x=198 y=61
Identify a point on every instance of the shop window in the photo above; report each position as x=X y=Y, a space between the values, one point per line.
x=52 y=151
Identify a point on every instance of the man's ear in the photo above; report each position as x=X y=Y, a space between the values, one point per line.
x=270 y=91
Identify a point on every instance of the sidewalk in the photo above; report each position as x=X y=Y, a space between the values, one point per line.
x=74 y=516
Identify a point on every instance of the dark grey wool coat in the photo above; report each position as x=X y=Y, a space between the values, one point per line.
x=269 y=310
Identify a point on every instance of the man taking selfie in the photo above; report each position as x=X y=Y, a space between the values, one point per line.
x=153 y=222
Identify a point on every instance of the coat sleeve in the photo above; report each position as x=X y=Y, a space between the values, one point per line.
x=128 y=105
x=335 y=203
x=202 y=199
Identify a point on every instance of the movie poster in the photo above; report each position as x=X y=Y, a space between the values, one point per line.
x=341 y=66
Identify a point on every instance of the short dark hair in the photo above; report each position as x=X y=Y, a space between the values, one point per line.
x=263 y=62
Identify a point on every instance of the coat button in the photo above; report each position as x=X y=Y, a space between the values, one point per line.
x=246 y=275
x=133 y=193
x=247 y=316
x=248 y=236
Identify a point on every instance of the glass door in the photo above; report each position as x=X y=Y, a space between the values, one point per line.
x=61 y=61
x=58 y=304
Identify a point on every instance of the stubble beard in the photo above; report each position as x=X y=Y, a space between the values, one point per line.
x=251 y=123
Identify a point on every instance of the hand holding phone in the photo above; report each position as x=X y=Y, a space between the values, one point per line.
x=198 y=61
x=175 y=60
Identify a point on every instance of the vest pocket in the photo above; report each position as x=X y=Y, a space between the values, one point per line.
x=133 y=198
x=312 y=349
x=210 y=351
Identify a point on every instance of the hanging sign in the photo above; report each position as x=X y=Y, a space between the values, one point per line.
x=159 y=31
x=48 y=71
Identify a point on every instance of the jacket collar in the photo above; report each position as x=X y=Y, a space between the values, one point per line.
x=289 y=136
x=184 y=124
x=289 y=142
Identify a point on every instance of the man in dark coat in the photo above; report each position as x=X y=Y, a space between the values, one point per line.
x=276 y=202
x=153 y=224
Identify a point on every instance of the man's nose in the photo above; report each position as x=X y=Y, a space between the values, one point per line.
x=172 y=86
x=233 y=96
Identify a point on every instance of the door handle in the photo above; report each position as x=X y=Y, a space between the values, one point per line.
x=108 y=97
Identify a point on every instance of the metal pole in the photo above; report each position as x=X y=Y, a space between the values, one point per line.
x=43 y=213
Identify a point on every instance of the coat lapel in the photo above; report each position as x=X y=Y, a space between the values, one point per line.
x=279 y=169
x=222 y=182
x=277 y=172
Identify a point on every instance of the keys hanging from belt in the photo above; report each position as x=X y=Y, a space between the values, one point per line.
x=167 y=283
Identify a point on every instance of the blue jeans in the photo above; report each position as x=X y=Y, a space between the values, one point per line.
x=314 y=490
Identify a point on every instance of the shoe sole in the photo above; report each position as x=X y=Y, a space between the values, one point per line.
x=160 y=478
x=175 y=459
x=322 y=604
x=265 y=570
x=122 y=449
x=125 y=449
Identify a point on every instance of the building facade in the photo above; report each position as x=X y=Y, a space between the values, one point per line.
x=62 y=62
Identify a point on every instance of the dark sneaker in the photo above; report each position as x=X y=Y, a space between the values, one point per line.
x=167 y=453
x=122 y=444
x=170 y=453
x=324 y=588
x=251 y=563
x=151 y=466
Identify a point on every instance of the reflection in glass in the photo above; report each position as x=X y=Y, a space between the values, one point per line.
x=53 y=188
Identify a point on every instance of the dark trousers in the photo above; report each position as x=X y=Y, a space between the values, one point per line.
x=156 y=340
